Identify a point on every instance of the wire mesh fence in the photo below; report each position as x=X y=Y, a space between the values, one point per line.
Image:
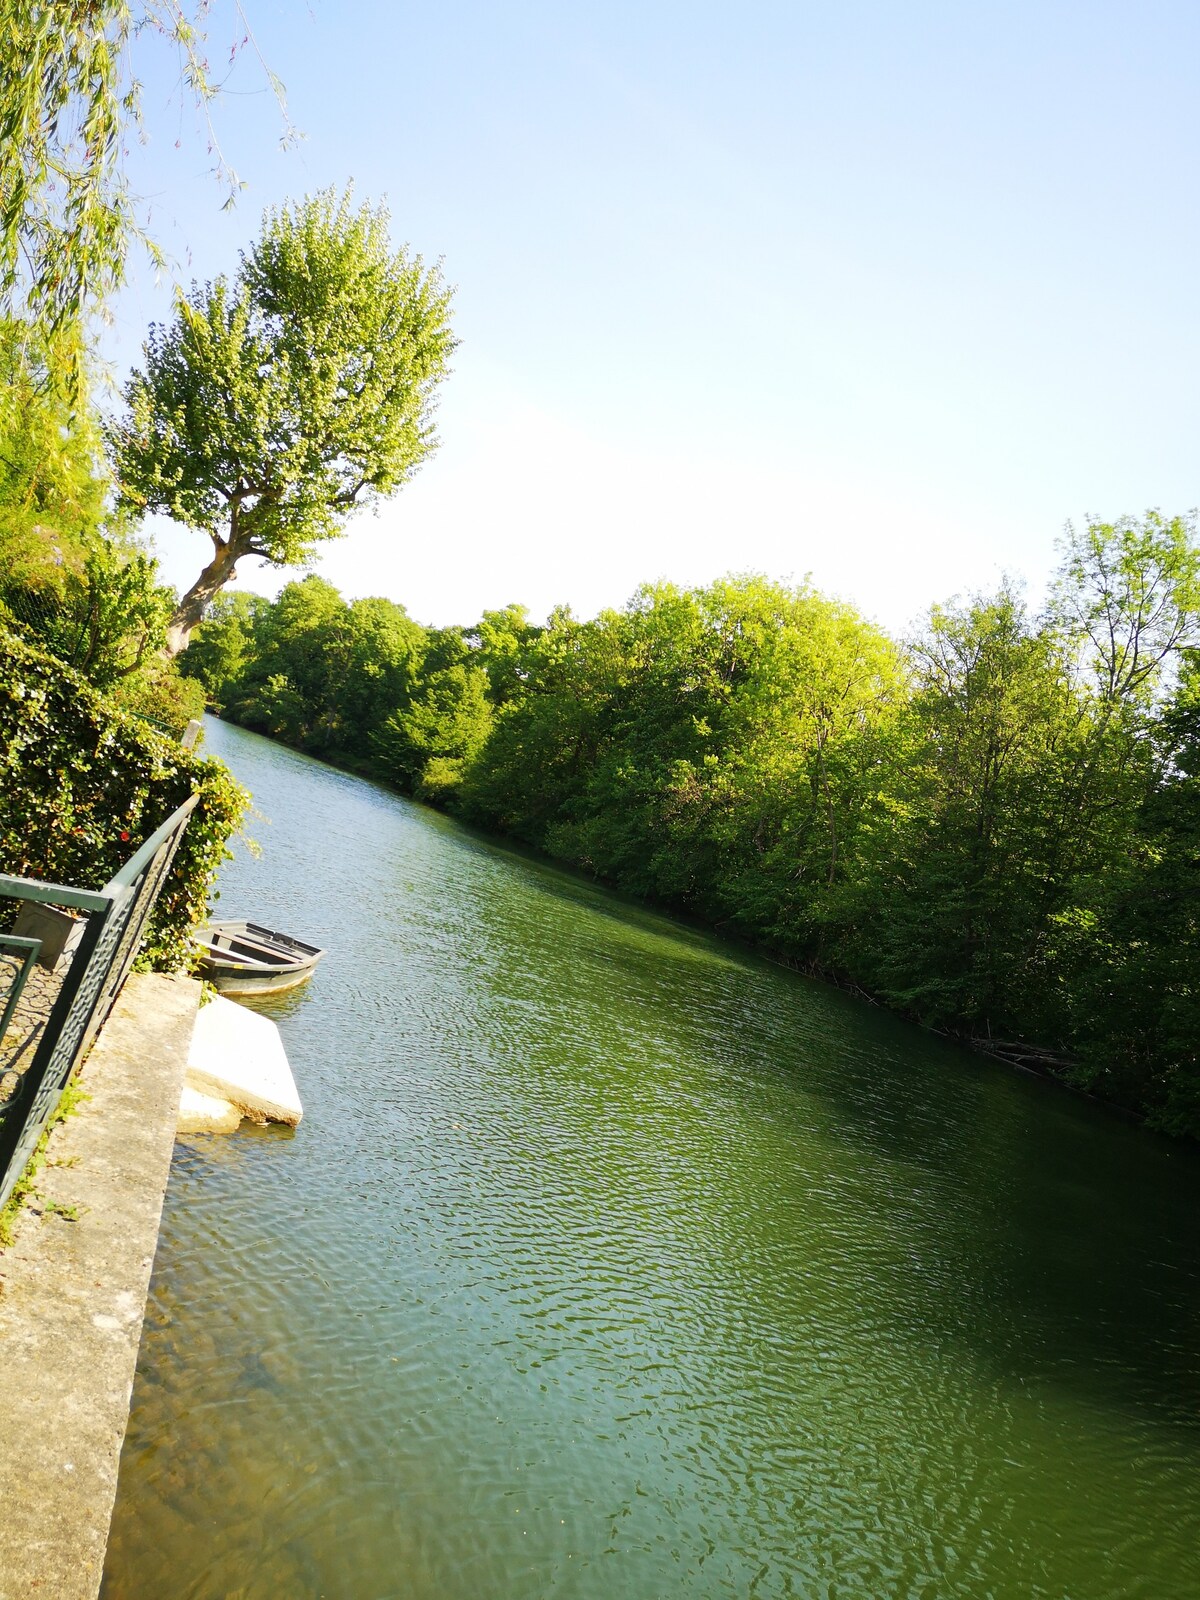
x=48 y=619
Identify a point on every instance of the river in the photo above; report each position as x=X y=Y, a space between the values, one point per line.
x=611 y=1261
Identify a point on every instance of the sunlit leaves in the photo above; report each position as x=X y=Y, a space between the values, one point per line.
x=68 y=101
x=277 y=403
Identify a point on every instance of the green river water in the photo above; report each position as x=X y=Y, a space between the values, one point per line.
x=613 y=1262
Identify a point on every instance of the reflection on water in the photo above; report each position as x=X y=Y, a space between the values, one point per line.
x=610 y=1261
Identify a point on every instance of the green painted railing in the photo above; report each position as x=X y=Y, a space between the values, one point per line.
x=91 y=979
x=26 y=951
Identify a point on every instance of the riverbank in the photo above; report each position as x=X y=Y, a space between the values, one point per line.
x=1021 y=1055
x=976 y=824
x=73 y=1288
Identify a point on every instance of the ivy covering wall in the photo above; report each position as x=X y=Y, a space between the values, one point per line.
x=82 y=784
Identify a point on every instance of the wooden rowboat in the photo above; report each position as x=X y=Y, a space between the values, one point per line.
x=243 y=958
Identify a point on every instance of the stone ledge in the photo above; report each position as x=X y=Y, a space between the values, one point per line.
x=73 y=1295
x=237 y=1056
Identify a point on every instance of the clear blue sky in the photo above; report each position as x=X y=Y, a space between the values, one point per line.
x=881 y=293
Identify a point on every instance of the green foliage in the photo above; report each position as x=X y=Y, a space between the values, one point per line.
x=994 y=827
x=161 y=695
x=69 y=101
x=274 y=406
x=222 y=646
x=1132 y=950
x=375 y=662
x=287 y=686
x=1128 y=598
x=106 y=618
x=986 y=807
x=83 y=783
x=66 y=212
x=52 y=482
x=687 y=745
x=83 y=591
x=428 y=744
x=500 y=639
x=308 y=668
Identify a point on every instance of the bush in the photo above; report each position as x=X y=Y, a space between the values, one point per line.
x=82 y=784
x=162 y=695
x=104 y=613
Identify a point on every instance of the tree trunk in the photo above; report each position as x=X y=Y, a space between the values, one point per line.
x=190 y=609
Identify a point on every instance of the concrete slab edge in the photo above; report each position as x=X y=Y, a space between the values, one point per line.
x=73 y=1291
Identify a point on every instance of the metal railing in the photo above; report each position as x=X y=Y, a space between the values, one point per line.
x=113 y=924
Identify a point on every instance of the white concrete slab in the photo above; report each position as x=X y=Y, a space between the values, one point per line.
x=238 y=1056
x=204 y=1113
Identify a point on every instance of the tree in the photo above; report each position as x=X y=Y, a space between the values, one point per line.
x=66 y=211
x=1132 y=947
x=52 y=483
x=273 y=406
x=376 y=658
x=294 y=644
x=68 y=95
x=1128 y=597
x=499 y=639
x=973 y=860
x=223 y=645
x=70 y=576
x=427 y=743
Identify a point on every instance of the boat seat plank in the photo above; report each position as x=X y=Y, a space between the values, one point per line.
x=235 y=958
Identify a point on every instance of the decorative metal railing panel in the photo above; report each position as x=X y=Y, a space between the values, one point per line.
x=17 y=956
x=115 y=922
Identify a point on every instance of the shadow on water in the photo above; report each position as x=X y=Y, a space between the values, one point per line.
x=1063 y=1230
x=1036 y=1221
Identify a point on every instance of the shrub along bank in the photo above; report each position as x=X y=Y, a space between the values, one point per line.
x=83 y=783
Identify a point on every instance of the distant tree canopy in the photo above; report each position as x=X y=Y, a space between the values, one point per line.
x=276 y=404
x=993 y=826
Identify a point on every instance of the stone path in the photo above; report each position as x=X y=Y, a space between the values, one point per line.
x=25 y=1026
x=73 y=1294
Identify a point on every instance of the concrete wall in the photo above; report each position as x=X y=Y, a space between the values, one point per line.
x=73 y=1295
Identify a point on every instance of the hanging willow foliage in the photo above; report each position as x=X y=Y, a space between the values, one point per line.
x=68 y=100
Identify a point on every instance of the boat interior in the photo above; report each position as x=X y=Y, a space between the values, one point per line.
x=256 y=947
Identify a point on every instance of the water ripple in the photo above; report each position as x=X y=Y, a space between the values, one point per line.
x=612 y=1262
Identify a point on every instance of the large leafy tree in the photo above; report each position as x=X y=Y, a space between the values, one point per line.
x=275 y=404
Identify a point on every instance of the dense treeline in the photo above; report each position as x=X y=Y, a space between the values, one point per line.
x=994 y=826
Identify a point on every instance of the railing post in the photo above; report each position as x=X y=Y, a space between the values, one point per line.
x=116 y=918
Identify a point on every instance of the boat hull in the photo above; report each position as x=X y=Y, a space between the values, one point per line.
x=243 y=958
x=236 y=980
